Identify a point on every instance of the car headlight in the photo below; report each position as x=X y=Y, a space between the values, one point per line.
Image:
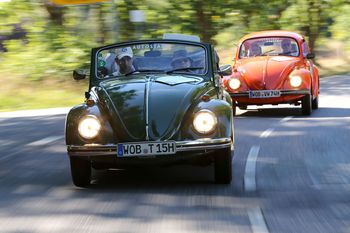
x=295 y=81
x=204 y=121
x=89 y=127
x=234 y=83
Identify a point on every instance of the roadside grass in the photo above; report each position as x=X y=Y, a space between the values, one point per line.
x=17 y=94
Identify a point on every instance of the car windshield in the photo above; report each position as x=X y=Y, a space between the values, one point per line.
x=155 y=57
x=269 y=46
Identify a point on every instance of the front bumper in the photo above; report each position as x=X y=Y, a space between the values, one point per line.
x=200 y=145
x=283 y=93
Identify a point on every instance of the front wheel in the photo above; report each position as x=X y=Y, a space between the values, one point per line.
x=306 y=105
x=315 y=103
x=81 y=171
x=223 y=166
x=234 y=105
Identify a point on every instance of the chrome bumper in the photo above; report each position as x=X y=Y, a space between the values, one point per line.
x=181 y=146
x=283 y=93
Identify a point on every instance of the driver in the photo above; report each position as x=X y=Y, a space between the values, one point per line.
x=124 y=59
x=181 y=60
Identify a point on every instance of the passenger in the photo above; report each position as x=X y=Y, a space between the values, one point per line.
x=255 y=50
x=286 y=47
x=181 y=60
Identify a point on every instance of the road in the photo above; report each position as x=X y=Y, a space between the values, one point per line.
x=291 y=174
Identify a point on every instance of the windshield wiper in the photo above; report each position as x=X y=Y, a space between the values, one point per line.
x=184 y=69
x=268 y=51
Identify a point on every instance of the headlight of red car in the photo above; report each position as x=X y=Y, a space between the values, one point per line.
x=234 y=83
x=295 y=80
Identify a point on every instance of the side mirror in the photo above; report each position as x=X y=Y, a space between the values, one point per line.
x=79 y=74
x=310 y=56
x=225 y=70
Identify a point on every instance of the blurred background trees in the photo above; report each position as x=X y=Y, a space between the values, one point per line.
x=40 y=41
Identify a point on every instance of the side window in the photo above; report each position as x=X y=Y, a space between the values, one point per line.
x=242 y=51
x=305 y=49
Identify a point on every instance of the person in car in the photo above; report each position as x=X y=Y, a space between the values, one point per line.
x=181 y=60
x=255 y=50
x=124 y=60
x=286 y=47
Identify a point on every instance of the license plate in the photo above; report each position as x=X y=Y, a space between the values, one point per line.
x=264 y=94
x=146 y=148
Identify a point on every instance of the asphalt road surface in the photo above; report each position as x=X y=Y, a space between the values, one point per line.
x=291 y=174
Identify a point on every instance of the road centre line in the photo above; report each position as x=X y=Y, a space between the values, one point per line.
x=267 y=133
x=250 y=169
x=257 y=220
x=45 y=141
x=285 y=119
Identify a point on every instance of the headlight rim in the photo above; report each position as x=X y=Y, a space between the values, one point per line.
x=214 y=125
x=87 y=117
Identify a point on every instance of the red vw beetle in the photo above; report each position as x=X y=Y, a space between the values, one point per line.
x=274 y=67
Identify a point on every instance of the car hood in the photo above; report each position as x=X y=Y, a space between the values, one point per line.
x=266 y=72
x=151 y=107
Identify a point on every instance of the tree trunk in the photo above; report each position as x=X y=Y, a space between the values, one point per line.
x=204 y=21
x=56 y=13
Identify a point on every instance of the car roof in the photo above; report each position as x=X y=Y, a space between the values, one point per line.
x=272 y=33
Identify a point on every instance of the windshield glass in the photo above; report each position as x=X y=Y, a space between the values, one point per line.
x=269 y=46
x=151 y=57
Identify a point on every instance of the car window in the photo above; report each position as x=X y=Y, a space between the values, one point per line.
x=305 y=49
x=269 y=46
x=152 y=57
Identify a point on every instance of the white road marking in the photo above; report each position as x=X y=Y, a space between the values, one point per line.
x=286 y=119
x=37 y=112
x=257 y=220
x=45 y=141
x=250 y=169
x=267 y=133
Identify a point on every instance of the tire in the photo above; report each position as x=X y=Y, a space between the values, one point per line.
x=234 y=105
x=315 y=103
x=223 y=166
x=306 y=105
x=81 y=171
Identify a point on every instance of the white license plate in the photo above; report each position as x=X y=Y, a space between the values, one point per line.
x=146 y=148
x=264 y=94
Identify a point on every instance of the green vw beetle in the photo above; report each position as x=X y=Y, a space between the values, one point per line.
x=152 y=102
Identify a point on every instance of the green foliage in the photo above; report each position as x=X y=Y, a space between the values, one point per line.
x=52 y=49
